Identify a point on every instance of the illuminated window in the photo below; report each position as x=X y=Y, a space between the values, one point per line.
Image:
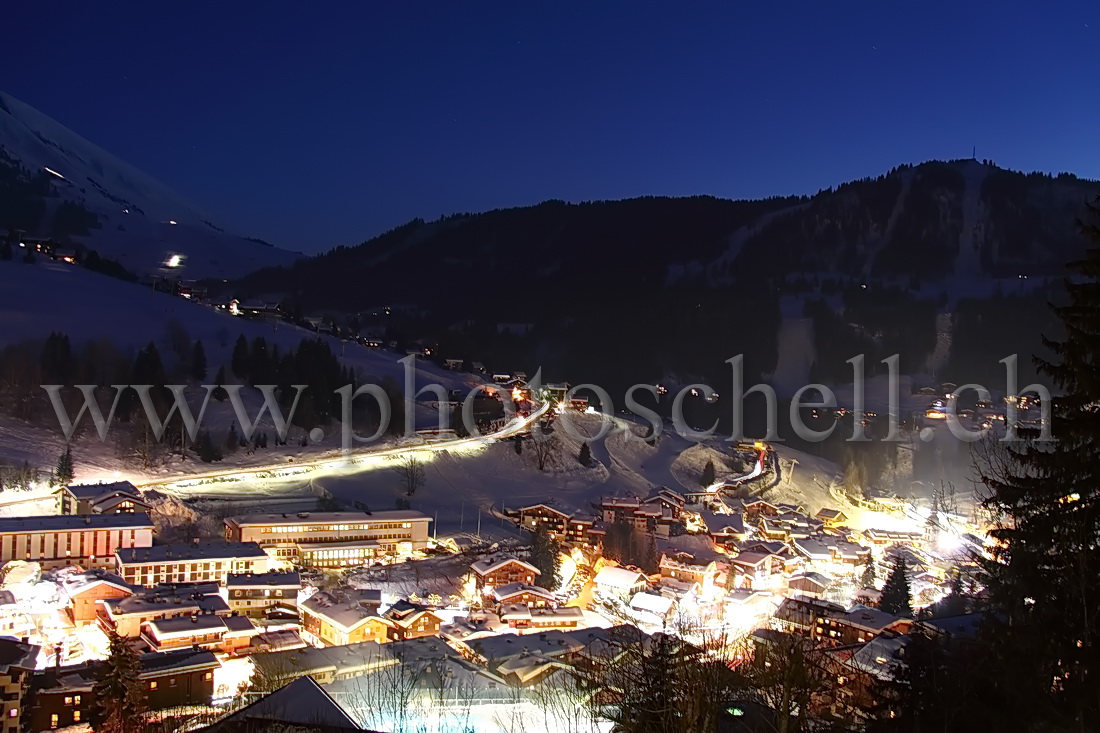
x=68 y=700
x=153 y=685
x=53 y=720
x=76 y=716
x=208 y=676
x=76 y=699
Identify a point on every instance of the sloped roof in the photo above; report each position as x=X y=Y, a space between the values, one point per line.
x=618 y=578
x=495 y=562
x=302 y=702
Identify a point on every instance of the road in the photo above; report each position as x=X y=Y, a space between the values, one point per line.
x=516 y=426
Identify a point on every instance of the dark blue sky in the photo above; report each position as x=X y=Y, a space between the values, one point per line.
x=313 y=127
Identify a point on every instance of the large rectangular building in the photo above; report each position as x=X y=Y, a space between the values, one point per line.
x=209 y=561
x=333 y=539
x=89 y=541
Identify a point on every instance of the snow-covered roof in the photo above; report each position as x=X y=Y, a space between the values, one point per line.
x=504 y=592
x=659 y=605
x=302 y=702
x=175 y=553
x=74 y=522
x=495 y=562
x=619 y=578
x=274 y=578
x=391 y=515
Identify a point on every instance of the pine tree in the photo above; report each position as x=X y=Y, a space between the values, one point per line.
x=119 y=694
x=546 y=556
x=65 y=467
x=895 y=593
x=1044 y=583
x=708 y=474
x=585 y=455
x=240 y=359
x=204 y=448
x=219 y=393
x=867 y=580
x=198 y=362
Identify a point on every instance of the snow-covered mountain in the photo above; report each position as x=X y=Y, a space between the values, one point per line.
x=141 y=222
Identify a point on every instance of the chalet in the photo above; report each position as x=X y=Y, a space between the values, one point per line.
x=520 y=616
x=832 y=518
x=529 y=595
x=885 y=538
x=86 y=590
x=724 y=528
x=562 y=525
x=65 y=696
x=812 y=585
x=756 y=507
x=224 y=634
x=273 y=594
x=862 y=624
x=341 y=617
x=454 y=364
x=493 y=651
x=410 y=621
x=302 y=705
x=502 y=569
x=832 y=552
x=120 y=497
x=655 y=514
x=660 y=608
x=127 y=615
x=620 y=582
x=325 y=664
x=685 y=567
x=756 y=570
x=808 y=616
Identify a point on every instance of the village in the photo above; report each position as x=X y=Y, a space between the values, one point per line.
x=352 y=600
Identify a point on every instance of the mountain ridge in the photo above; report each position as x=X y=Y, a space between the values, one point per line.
x=130 y=213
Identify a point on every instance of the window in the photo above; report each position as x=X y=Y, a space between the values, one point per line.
x=208 y=676
x=13 y=713
x=153 y=685
x=68 y=700
x=172 y=682
x=76 y=716
x=76 y=700
x=53 y=720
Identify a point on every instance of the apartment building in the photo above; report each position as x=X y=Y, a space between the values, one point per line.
x=182 y=563
x=333 y=539
x=17 y=663
x=89 y=541
x=260 y=595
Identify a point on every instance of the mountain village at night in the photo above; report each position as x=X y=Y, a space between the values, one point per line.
x=663 y=403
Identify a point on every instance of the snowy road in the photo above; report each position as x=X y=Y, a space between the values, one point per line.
x=340 y=463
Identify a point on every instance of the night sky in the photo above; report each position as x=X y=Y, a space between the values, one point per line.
x=312 y=127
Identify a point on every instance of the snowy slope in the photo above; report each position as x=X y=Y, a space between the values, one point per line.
x=134 y=209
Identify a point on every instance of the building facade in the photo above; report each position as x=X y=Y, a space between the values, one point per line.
x=189 y=563
x=333 y=539
x=89 y=541
x=258 y=595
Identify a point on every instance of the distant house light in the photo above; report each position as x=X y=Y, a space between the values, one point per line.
x=172 y=222
x=174 y=261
